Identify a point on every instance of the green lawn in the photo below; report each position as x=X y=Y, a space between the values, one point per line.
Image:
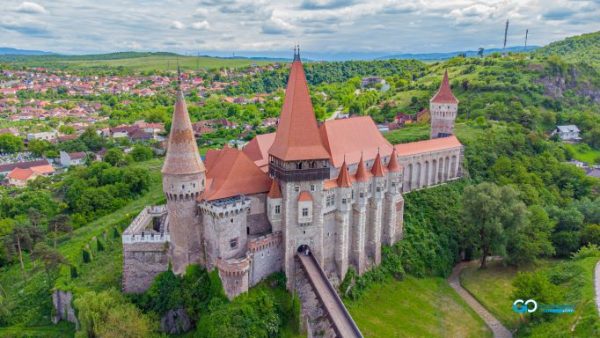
x=426 y=307
x=493 y=288
x=582 y=152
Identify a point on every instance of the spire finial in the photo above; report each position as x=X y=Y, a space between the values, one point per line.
x=297 y=52
x=178 y=74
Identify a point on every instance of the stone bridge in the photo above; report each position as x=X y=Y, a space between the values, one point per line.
x=322 y=308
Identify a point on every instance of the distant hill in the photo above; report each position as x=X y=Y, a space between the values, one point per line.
x=449 y=55
x=14 y=51
x=585 y=47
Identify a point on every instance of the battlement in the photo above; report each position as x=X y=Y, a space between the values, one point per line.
x=234 y=266
x=149 y=226
x=225 y=207
x=265 y=241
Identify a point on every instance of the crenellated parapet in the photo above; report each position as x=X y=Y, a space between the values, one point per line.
x=263 y=242
x=234 y=275
x=225 y=207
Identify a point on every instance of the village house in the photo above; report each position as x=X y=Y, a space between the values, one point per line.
x=19 y=177
x=72 y=159
x=568 y=133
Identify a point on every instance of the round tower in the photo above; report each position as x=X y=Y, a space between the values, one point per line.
x=443 y=108
x=183 y=176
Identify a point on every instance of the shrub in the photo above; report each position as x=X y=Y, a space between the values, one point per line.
x=87 y=257
x=99 y=244
x=590 y=250
x=74 y=273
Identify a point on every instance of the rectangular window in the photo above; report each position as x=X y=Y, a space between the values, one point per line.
x=277 y=209
x=233 y=243
x=296 y=188
x=304 y=212
x=343 y=201
x=312 y=187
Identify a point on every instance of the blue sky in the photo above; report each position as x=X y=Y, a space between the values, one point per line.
x=273 y=27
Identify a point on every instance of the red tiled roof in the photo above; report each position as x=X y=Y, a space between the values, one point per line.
x=378 y=170
x=274 y=191
x=297 y=136
x=343 y=179
x=4 y=168
x=393 y=165
x=232 y=174
x=20 y=174
x=77 y=155
x=182 y=153
x=258 y=149
x=352 y=138
x=444 y=94
x=304 y=197
x=362 y=175
x=43 y=169
x=406 y=149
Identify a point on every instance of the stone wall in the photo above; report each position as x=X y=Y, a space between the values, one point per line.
x=63 y=307
x=267 y=256
x=430 y=168
x=234 y=274
x=258 y=224
x=141 y=263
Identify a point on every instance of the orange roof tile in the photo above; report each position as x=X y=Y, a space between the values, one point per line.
x=258 y=149
x=304 y=196
x=362 y=175
x=43 y=169
x=232 y=174
x=444 y=94
x=442 y=143
x=330 y=184
x=274 y=191
x=352 y=138
x=20 y=174
x=343 y=179
x=297 y=136
x=182 y=153
x=393 y=165
x=378 y=170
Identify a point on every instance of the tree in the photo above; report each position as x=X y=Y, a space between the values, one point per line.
x=108 y=315
x=59 y=224
x=39 y=147
x=10 y=143
x=115 y=157
x=141 y=153
x=24 y=237
x=532 y=239
x=50 y=258
x=91 y=139
x=489 y=212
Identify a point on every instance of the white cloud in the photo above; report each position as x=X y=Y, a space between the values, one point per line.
x=177 y=25
x=77 y=26
x=201 y=25
x=31 y=8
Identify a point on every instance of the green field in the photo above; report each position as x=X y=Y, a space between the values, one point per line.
x=493 y=288
x=135 y=62
x=584 y=153
x=426 y=307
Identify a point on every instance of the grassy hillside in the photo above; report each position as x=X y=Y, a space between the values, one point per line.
x=585 y=47
x=131 y=61
x=426 y=307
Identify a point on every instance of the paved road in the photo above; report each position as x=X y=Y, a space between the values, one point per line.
x=499 y=330
x=337 y=311
x=597 y=284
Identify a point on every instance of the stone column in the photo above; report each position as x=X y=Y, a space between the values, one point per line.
x=358 y=238
x=376 y=209
x=342 y=223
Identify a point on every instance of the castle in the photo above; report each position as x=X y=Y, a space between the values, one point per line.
x=334 y=189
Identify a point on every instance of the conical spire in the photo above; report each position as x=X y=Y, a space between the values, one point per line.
x=298 y=136
x=444 y=94
x=274 y=192
x=377 y=169
x=182 y=154
x=394 y=166
x=343 y=180
x=362 y=175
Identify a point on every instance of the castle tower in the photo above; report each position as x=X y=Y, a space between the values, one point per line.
x=443 y=107
x=183 y=176
x=361 y=198
x=342 y=220
x=393 y=202
x=299 y=160
x=274 y=201
x=376 y=210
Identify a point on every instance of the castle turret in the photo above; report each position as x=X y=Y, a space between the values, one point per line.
x=376 y=209
x=393 y=202
x=361 y=197
x=274 y=201
x=443 y=107
x=342 y=220
x=183 y=180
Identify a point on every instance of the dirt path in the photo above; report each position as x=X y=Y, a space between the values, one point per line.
x=499 y=330
x=597 y=285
